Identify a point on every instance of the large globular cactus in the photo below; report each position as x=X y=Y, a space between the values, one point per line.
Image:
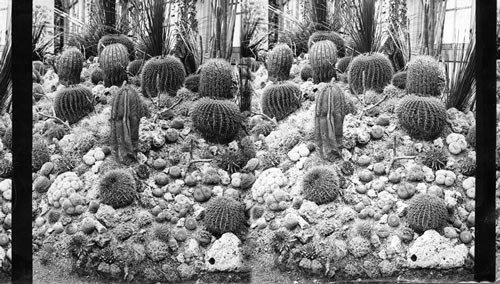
x=323 y=56
x=279 y=62
x=377 y=70
x=135 y=67
x=424 y=77
x=69 y=66
x=423 y=117
x=216 y=79
x=399 y=79
x=116 y=38
x=114 y=62
x=224 y=214
x=321 y=185
x=162 y=75
x=73 y=103
x=280 y=100
x=331 y=107
x=331 y=36
x=127 y=109
x=217 y=120
x=343 y=64
x=426 y=212
x=97 y=76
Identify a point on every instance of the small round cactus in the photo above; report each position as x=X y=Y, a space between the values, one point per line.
x=73 y=103
x=306 y=72
x=117 y=188
x=425 y=212
x=162 y=75
x=116 y=38
x=279 y=62
x=224 y=215
x=321 y=185
x=97 y=76
x=323 y=57
x=399 y=79
x=423 y=117
x=69 y=66
x=280 y=100
x=192 y=83
x=216 y=79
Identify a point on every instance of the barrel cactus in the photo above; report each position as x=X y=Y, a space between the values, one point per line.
x=423 y=117
x=192 y=83
x=279 y=100
x=114 y=61
x=217 y=120
x=321 y=185
x=306 y=72
x=223 y=215
x=39 y=154
x=113 y=38
x=279 y=62
x=117 y=188
x=216 y=79
x=331 y=108
x=73 y=103
x=135 y=67
x=424 y=76
x=69 y=66
x=162 y=75
x=97 y=76
x=331 y=36
x=377 y=70
x=323 y=56
x=399 y=79
x=426 y=212
x=343 y=64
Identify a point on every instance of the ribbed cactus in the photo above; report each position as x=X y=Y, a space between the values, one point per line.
x=73 y=103
x=192 y=82
x=423 y=117
x=280 y=100
x=323 y=56
x=97 y=76
x=321 y=185
x=331 y=107
x=111 y=39
x=69 y=66
x=331 y=36
x=343 y=64
x=217 y=120
x=114 y=61
x=127 y=109
x=306 y=72
x=279 y=62
x=223 y=215
x=216 y=79
x=399 y=79
x=135 y=67
x=424 y=77
x=425 y=212
x=377 y=70
x=117 y=188
x=162 y=75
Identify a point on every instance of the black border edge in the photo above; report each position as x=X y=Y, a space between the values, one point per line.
x=485 y=242
x=22 y=259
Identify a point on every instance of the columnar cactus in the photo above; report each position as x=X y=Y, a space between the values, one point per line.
x=73 y=103
x=114 y=61
x=217 y=120
x=111 y=39
x=117 y=188
x=331 y=36
x=216 y=79
x=162 y=75
x=424 y=77
x=377 y=70
x=223 y=215
x=279 y=62
x=343 y=64
x=321 y=185
x=127 y=109
x=423 y=117
x=280 y=100
x=399 y=79
x=331 y=107
x=69 y=66
x=135 y=67
x=323 y=56
x=425 y=212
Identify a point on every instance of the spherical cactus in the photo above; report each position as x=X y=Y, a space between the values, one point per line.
x=321 y=185
x=306 y=72
x=135 y=67
x=73 y=103
x=399 y=79
x=216 y=79
x=114 y=61
x=423 y=117
x=162 y=75
x=279 y=62
x=224 y=215
x=217 y=120
x=117 y=188
x=424 y=77
x=70 y=66
x=111 y=39
x=425 y=212
x=331 y=36
x=323 y=57
x=377 y=70
x=343 y=64
x=192 y=82
x=97 y=76
x=280 y=100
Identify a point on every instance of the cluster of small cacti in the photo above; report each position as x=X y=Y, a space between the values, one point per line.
x=70 y=66
x=162 y=75
x=331 y=36
x=323 y=57
x=216 y=79
x=224 y=215
x=279 y=62
x=280 y=100
x=117 y=188
x=424 y=77
x=425 y=212
x=73 y=103
x=369 y=71
x=321 y=185
x=112 y=39
x=114 y=62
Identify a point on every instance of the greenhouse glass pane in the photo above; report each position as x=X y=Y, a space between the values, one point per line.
x=450 y=4
x=464 y=3
x=449 y=27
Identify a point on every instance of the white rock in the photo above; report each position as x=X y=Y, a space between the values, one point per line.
x=224 y=254
x=217 y=190
x=431 y=250
x=469 y=183
x=303 y=151
x=294 y=156
x=394 y=247
x=192 y=247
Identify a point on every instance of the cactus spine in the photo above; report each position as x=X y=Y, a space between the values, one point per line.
x=280 y=100
x=279 y=62
x=323 y=56
x=114 y=61
x=376 y=70
x=73 y=103
x=70 y=66
x=162 y=75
